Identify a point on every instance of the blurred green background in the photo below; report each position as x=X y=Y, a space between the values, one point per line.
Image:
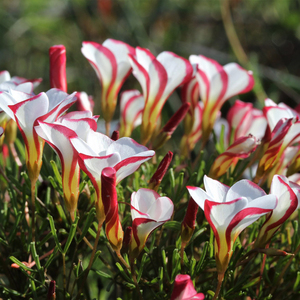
x=268 y=31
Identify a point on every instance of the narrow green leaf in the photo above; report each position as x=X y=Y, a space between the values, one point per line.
x=71 y=235
x=164 y=261
x=87 y=224
x=202 y=258
x=174 y=225
x=140 y=272
x=53 y=230
x=51 y=257
x=21 y=265
x=56 y=172
x=123 y=273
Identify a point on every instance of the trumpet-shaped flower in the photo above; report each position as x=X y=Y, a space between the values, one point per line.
x=111 y=64
x=229 y=210
x=58 y=77
x=131 y=107
x=216 y=85
x=57 y=135
x=99 y=151
x=148 y=211
x=113 y=226
x=244 y=119
x=184 y=289
x=158 y=77
x=240 y=149
x=288 y=194
x=27 y=111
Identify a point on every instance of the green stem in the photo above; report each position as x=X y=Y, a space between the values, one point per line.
x=218 y=289
x=91 y=260
x=33 y=184
x=64 y=274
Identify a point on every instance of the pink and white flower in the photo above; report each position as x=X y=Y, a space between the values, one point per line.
x=99 y=151
x=158 y=77
x=229 y=210
x=27 y=111
x=148 y=211
x=216 y=85
x=241 y=148
x=184 y=289
x=288 y=194
x=57 y=135
x=244 y=119
x=274 y=149
x=111 y=64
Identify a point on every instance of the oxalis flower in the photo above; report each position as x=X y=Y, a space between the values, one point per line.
x=148 y=211
x=184 y=289
x=158 y=77
x=240 y=149
x=288 y=194
x=111 y=64
x=57 y=135
x=27 y=110
x=216 y=85
x=98 y=151
x=229 y=210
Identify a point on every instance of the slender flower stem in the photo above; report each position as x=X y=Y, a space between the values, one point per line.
x=91 y=260
x=182 y=252
x=220 y=280
x=122 y=260
x=33 y=184
x=107 y=128
x=64 y=274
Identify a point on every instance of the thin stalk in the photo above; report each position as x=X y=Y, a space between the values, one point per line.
x=33 y=185
x=91 y=260
x=64 y=274
x=220 y=280
x=122 y=260
x=182 y=252
x=107 y=128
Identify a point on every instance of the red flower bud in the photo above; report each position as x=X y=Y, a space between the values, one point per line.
x=58 y=78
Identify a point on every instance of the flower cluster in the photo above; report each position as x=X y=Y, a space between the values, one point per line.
x=248 y=170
